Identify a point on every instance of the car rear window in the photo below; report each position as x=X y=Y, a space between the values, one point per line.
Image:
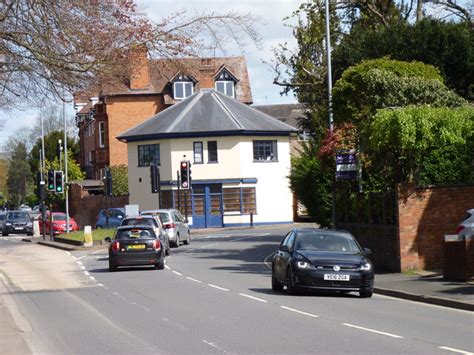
x=135 y=234
x=138 y=221
x=59 y=217
x=165 y=217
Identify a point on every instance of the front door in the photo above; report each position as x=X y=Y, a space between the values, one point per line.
x=207 y=206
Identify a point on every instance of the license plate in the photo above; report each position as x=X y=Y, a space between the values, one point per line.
x=136 y=247
x=19 y=228
x=336 y=277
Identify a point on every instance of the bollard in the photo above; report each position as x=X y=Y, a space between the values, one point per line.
x=251 y=218
x=87 y=236
x=36 y=228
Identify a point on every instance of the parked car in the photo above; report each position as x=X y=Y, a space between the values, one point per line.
x=135 y=245
x=17 y=222
x=25 y=207
x=466 y=227
x=3 y=215
x=58 y=223
x=321 y=259
x=153 y=221
x=174 y=224
x=115 y=218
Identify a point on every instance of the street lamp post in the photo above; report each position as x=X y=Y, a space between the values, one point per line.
x=331 y=125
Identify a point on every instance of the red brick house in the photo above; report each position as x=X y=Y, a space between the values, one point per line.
x=154 y=85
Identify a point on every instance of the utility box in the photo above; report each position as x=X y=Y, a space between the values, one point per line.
x=459 y=257
x=132 y=210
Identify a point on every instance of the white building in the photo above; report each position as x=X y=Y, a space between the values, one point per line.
x=240 y=161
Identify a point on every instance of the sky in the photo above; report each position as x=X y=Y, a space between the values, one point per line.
x=272 y=31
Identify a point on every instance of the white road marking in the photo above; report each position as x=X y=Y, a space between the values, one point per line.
x=254 y=298
x=262 y=235
x=101 y=285
x=300 y=312
x=190 y=278
x=373 y=331
x=167 y=267
x=82 y=267
x=79 y=258
x=455 y=350
x=68 y=253
x=177 y=273
x=218 y=287
x=92 y=278
x=79 y=263
x=86 y=272
x=213 y=344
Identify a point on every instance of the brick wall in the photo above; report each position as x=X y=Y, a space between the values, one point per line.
x=84 y=207
x=425 y=216
x=125 y=112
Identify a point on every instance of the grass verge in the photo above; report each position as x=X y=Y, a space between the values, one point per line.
x=97 y=234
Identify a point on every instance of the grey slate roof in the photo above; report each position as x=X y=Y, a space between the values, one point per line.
x=207 y=113
x=288 y=113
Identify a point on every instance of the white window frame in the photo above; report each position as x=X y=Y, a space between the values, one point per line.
x=225 y=87
x=184 y=83
x=101 y=134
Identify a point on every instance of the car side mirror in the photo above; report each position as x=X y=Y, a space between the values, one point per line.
x=367 y=251
x=284 y=248
x=108 y=240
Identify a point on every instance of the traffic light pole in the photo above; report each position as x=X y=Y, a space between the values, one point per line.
x=179 y=196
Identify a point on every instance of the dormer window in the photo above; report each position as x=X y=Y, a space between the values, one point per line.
x=183 y=87
x=225 y=83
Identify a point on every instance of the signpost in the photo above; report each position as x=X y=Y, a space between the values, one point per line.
x=346 y=166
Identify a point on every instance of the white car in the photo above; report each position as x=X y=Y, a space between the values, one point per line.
x=174 y=224
x=466 y=227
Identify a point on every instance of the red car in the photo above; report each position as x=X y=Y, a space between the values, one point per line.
x=58 y=223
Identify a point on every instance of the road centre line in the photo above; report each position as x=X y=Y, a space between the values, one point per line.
x=455 y=350
x=82 y=267
x=190 y=278
x=373 y=331
x=218 y=287
x=253 y=298
x=92 y=278
x=167 y=267
x=177 y=273
x=300 y=312
x=86 y=272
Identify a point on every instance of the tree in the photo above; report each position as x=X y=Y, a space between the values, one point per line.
x=57 y=48
x=448 y=46
x=381 y=83
x=19 y=180
x=434 y=145
x=119 y=180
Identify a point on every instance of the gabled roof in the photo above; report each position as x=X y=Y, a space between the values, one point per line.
x=207 y=113
x=203 y=70
x=288 y=113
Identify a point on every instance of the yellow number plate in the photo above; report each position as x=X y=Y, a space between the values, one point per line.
x=136 y=247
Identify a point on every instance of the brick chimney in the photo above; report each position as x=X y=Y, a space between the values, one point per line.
x=139 y=71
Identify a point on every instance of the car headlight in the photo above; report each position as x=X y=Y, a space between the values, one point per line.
x=365 y=267
x=8 y=224
x=304 y=265
x=29 y=224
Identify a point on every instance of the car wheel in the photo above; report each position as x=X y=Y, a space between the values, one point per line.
x=187 y=241
x=365 y=294
x=290 y=288
x=276 y=285
x=29 y=234
x=176 y=244
x=5 y=234
x=112 y=267
x=167 y=249
x=98 y=227
x=160 y=265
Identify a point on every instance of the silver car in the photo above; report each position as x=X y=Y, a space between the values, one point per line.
x=466 y=227
x=174 y=224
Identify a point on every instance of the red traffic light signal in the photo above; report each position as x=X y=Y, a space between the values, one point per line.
x=185 y=175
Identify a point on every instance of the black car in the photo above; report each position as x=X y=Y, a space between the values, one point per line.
x=17 y=222
x=136 y=245
x=153 y=221
x=322 y=259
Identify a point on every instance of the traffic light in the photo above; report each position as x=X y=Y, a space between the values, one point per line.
x=39 y=186
x=154 y=178
x=51 y=186
x=185 y=174
x=58 y=181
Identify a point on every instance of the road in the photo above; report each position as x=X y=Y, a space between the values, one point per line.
x=214 y=296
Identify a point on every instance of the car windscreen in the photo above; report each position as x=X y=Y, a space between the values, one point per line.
x=135 y=234
x=59 y=217
x=2 y=216
x=18 y=216
x=326 y=242
x=139 y=221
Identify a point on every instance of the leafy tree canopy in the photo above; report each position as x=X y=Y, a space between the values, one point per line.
x=383 y=83
x=119 y=180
